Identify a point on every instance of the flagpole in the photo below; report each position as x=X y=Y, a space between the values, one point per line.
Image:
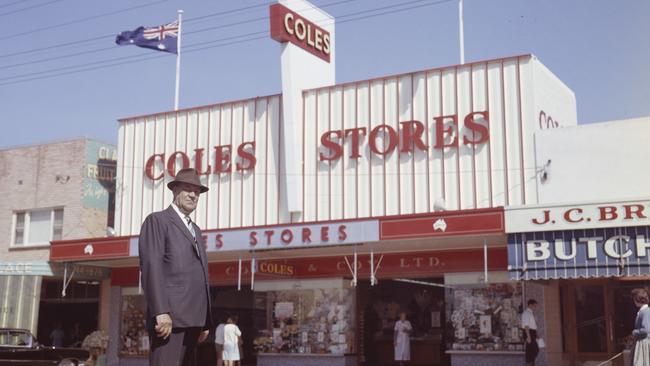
x=460 y=32
x=178 y=59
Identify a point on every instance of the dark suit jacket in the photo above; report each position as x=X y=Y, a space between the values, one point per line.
x=174 y=276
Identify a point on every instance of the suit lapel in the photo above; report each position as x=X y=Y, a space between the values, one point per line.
x=173 y=216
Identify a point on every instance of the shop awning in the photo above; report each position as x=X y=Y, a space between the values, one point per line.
x=605 y=252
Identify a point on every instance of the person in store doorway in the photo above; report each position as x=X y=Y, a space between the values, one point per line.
x=402 y=339
x=231 y=341
x=218 y=341
x=174 y=270
x=641 y=354
x=57 y=336
x=530 y=332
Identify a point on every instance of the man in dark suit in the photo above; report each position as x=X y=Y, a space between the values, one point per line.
x=174 y=269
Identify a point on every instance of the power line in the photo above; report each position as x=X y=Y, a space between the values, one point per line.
x=231 y=11
x=127 y=62
x=28 y=8
x=136 y=58
x=259 y=19
x=81 y=20
x=109 y=48
x=10 y=4
x=59 y=45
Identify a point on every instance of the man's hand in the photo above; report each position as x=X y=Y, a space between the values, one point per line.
x=163 y=325
x=203 y=335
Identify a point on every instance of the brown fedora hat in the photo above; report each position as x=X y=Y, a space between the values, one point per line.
x=189 y=176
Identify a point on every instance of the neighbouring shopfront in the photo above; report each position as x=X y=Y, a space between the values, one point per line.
x=596 y=258
x=32 y=298
x=334 y=207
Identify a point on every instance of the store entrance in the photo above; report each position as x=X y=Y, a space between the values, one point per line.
x=73 y=316
x=598 y=318
x=248 y=307
x=379 y=308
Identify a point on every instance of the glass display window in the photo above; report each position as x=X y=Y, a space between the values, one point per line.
x=134 y=339
x=485 y=318
x=319 y=321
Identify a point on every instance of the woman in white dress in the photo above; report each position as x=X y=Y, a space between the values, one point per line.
x=402 y=340
x=231 y=337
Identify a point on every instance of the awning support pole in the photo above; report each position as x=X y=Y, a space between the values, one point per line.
x=239 y=275
x=353 y=271
x=354 y=282
x=485 y=260
x=373 y=268
x=66 y=279
x=253 y=273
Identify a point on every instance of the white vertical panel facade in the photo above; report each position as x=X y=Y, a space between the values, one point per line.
x=236 y=198
x=500 y=171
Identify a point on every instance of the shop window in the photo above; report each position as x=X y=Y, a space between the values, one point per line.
x=591 y=327
x=486 y=318
x=309 y=321
x=134 y=339
x=37 y=227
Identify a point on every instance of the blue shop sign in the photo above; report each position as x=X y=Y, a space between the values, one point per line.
x=605 y=252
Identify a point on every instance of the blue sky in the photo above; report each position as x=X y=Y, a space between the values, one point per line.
x=599 y=48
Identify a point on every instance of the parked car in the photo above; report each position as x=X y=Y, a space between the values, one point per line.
x=19 y=347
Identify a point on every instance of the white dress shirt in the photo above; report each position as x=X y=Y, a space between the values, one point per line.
x=528 y=319
x=184 y=218
x=219 y=334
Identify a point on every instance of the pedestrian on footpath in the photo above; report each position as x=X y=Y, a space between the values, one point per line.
x=218 y=341
x=530 y=332
x=231 y=339
x=641 y=355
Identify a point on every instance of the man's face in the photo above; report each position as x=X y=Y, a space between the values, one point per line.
x=186 y=197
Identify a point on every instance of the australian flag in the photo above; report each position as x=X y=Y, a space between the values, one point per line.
x=163 y=38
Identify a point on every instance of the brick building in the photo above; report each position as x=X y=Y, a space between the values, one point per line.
x=54 y=191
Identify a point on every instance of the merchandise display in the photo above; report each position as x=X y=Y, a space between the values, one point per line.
x=485 y=318
x=315 y=321
x=134 y=339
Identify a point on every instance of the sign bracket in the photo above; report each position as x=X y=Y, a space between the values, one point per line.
x=353 y=271
x=66 y=279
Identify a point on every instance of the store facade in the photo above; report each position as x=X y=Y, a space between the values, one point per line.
x=591 y=260
x=66 y=194
x=334 y=207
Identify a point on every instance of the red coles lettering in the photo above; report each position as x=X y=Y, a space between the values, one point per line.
x=383 y=139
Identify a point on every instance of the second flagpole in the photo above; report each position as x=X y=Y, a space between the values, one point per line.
x=178 y=59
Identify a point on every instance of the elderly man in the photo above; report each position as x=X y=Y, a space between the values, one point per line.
x=174 y=271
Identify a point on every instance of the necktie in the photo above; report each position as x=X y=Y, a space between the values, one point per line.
x=191 y=228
